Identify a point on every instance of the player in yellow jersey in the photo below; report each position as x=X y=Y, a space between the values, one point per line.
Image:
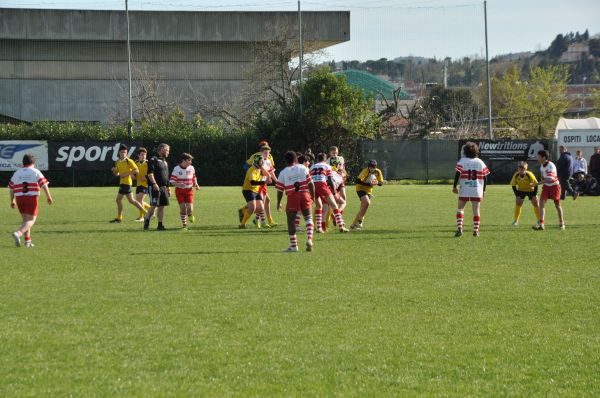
x=366 y=180
x=125 y=168
x=141 y=189
x=251 y=191
x=524 y=184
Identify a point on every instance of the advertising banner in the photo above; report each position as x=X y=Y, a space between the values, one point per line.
x=86 y=155
x=508 y=149
x=11 y=154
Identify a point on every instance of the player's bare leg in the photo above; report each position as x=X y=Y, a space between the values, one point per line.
x=540 y=224
x=291 y=223
x=140 y=198
x=460 y=218
x=365 y=202
x=561 y=221
x=190 y=212
x=134 y=202
x=476 y=217
x=325 y=221
x=268 y=213
x=25 y=230
x=536 y=207
x=119 y=201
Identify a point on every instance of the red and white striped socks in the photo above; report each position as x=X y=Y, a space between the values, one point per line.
x=293 y=241
x=337 y=214
x=460 y=217
x=309 y=227
x=476 y=220
x=183 y=217
x=319 y=219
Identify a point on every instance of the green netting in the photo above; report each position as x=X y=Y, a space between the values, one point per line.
x=370 y=84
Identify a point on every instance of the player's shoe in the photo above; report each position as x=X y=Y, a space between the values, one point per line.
x=265 y=225
x=291 y=250
x=562 y=227
x=272 y=224
x=538 y=227
x=29 y=244
x=139 y=219
x=458 y=233
x=161 y=228
x=242 y=226
x=184 y=227
x=17 y=239
x=146 y=224
x=192 y=218
x=309 y=246
x=476 y=234
x=575 y=195
x=344 y=229
x=515 y=223
x=356 y=225
x=115 y=221
x=241 y=213
x=320 y=231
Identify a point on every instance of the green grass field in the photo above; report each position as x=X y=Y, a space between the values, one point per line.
x=400 y=308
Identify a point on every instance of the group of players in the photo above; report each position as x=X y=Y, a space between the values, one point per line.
x=305 y=180
x=470 y=181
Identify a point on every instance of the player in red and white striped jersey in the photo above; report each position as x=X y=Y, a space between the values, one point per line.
x=471 y=174
x=550 y=189
x=297 y=184
x=321 y=174
x=183 y=178
x=24 y=188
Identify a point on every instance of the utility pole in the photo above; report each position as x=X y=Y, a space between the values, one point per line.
x=130 y=123
x=300 y=57
x=487 y=68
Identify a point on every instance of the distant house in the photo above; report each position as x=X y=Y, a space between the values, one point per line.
x=575 y=52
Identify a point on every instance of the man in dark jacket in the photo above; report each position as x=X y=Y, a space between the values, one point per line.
x=564 y=169
x=594 y=165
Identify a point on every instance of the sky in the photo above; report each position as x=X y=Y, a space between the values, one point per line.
x=395 y=28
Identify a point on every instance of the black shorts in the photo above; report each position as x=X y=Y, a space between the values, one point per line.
x=141 y=189
x=124 y=189
x=159 y=198
x=523 y=194
x=363 y=193
x=251 y=195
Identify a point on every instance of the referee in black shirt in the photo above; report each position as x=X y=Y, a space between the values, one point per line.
x=158 y=186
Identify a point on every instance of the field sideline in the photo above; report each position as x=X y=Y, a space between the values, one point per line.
x=399 y=308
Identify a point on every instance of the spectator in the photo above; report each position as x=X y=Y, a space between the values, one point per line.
x=592 y=188
x=594 y=166
x=579 y=183
x=564 y=168
x=579 y=165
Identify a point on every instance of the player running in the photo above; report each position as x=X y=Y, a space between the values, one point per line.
x=183 y=178
x=124 y=168
x=550 y=189
x=524 y=184
x=471 y=175
x=366 y=180
x=321 y=174
x=250 y=189
x=24 y=189
x=297 y=184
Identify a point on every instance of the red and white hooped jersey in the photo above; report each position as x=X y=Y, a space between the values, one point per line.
x=27 y=181
x=268 y=165
x=472 y=174
x=186 y=176
x=293 y=179
x=320 y=171
x=549 y=175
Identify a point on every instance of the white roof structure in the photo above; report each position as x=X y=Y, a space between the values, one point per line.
x=591 y=123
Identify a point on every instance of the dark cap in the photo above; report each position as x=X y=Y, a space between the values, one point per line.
x=372 y=163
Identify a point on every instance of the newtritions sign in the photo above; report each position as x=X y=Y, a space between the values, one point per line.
x=507 y=149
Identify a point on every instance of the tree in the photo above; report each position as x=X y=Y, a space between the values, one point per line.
x=334 y=113
x=449 y=108
x=558 y=46
x=531 y=107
